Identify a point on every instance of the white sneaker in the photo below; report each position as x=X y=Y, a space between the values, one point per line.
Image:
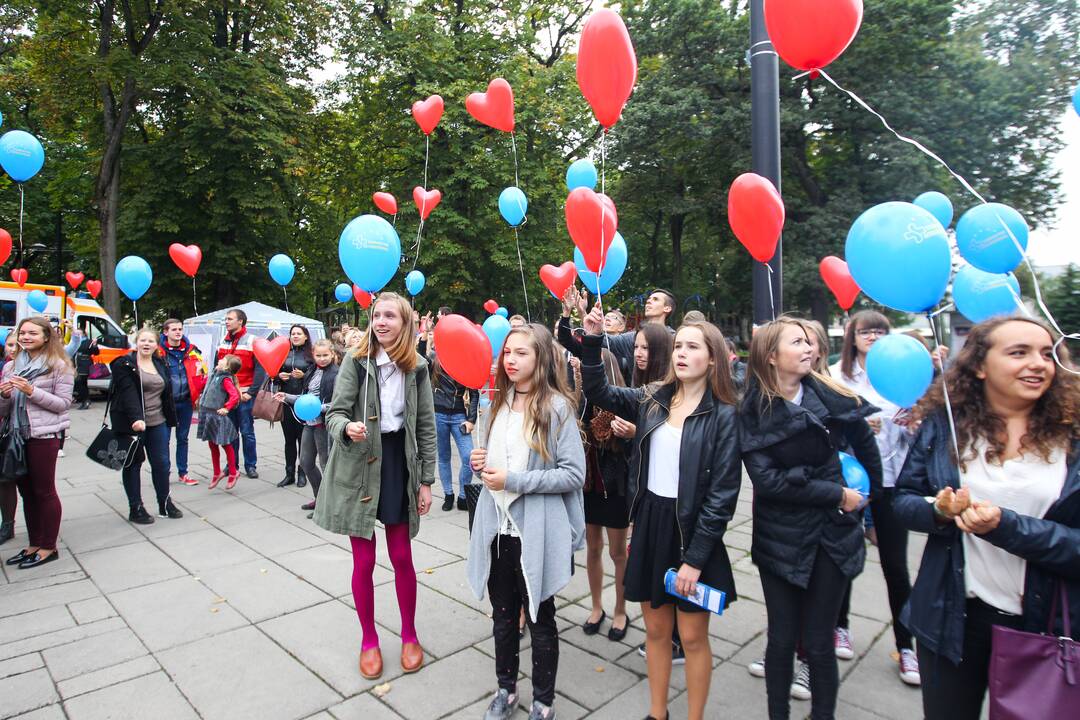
x=60 y=452
x=757 y=668
x=800 y=685
x=842 y=643
x=909 y=668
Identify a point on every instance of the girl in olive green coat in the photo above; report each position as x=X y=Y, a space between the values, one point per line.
x=381 y=467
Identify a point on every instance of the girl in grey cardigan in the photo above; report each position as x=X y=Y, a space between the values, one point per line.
x=530 y=517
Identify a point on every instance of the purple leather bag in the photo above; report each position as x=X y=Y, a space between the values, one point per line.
x=1035 y=675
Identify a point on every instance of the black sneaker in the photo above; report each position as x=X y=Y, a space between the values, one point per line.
x=252 y=474
x=448 y=503
x=168 y=510
x=139 y=516
x=678 y=657
x=461 y=504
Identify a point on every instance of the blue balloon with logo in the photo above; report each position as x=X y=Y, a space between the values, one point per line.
x=370 y=251
x=612 y=270
x=581 y=173
x=133 y=276
x=855 y=475
x=503 y=312
x=981 y=295
x=282 y=269
x=37 y=300
x=988 y=236
x=307 y=407
x=414 y=282
x=513 y=206
x=343 y=292
x=21 y=155
x=937 y=205
x=496 y=327
x=900 y=368
x=899 y=255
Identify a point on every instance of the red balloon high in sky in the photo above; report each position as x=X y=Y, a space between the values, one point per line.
x=606 y=65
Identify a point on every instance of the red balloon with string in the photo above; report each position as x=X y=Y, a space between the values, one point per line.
x=810 y=35
x=363 y=297
x=756 y=215
x=606 y=65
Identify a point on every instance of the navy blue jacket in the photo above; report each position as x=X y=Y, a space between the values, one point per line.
x=1051 y=545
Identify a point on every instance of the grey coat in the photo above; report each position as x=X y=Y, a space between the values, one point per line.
x=550 y=514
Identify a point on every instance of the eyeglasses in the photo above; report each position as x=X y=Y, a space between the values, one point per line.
x=871 y=332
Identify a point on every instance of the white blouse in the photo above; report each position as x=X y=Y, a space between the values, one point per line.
x=664 y=447
x=391 y=393
x=1026 y=485
x=507 y=449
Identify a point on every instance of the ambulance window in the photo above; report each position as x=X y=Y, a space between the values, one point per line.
x=103 y=331
x=8 y=313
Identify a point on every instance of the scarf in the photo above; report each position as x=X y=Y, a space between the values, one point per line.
x=29 y=368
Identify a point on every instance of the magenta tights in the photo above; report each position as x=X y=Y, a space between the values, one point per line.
x=363 y=587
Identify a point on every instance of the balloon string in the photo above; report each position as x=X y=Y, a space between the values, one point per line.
x=772 y=300
x=194 y=296
x=20 y=224
x=427 y=156
x=419 y=235
x=603 y=162
x=394 y=216
x=513 y=147
x=286 y=293
x=135 y=305
x=521 y=268
x=367 y=369
x=945 y=391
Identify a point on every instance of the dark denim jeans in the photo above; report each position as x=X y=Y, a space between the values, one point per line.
x=184 y=411
x=155 y=446
x=447 y=425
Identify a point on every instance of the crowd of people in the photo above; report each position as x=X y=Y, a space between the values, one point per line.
x=634 y=443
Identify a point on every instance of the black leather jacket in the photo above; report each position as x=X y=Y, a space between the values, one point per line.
x=710 y=473
x=125 y=393
x=297 y=359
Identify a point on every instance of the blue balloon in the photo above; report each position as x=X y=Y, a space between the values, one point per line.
x=1076 y=100
x=981 y=295
x=937 y=205
x=496 y=327
x=343 y=292
x=37 y=300
x=414 y=282
x=484 y=401
x=133 y=276
x=503 y=312
x=899 y=367
x=611 y=272
x=513 y=205
x=1 y=119
x=282 y=269
x=4 y=332
x=307 y=407
x=21 y=155
x=855 y=475
x=899 y=255
x=370 y=251
x=984 y=236
x=581 y=173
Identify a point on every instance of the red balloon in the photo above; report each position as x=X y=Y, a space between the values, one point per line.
x=187 y=257
x=74 y=279
x=20 y=276
x=494 y=108
x=756 y=215
x=837 y=277
x=558 y=279
x=592 y=222
x=810 y=35
x=5 y=245
x=464 y=350
x=426 y=200
x=385 y=202
x=606 y=65
x=491 y=306
x=94 y=288
x=361 y=296
x=271 y=354
x=428 y=113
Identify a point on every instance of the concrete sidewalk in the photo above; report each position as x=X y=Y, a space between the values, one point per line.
x=242 y=609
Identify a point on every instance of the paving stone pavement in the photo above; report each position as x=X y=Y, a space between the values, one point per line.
x=242 y=609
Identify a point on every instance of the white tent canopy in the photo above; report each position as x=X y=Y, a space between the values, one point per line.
x=207 y=330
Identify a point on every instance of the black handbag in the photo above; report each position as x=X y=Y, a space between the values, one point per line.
x=111 y=449
x=12 y=452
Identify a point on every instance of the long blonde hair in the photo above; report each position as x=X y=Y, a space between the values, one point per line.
x=403 y=351
x=763 y=346
x=548 y=382
x=55 y=356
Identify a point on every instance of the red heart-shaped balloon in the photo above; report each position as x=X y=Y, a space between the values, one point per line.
x=94 y=288
x=74 y=279
x=20 y=276
x=606 y=65
x=494 y=108
x=491 y=306
x=558 y=279
x=837 y=277
x=426 y=200
x=464 y=350
x=756 y=214
x=271 y=354
x=5 y=245
x=592 y=222
x=428 y=113
x=361 y=296
x=385 y=202
x=187 y=258
x=810 y=35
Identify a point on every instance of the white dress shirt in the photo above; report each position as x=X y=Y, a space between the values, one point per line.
x=391 y=393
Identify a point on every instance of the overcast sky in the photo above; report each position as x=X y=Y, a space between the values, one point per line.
x=1060 y=245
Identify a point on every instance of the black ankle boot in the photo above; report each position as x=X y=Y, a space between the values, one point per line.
x=139 y=516
x=7 y=531
x=168 y=510
x=289 y=480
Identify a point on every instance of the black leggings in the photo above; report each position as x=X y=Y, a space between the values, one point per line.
x=956 y=692
x=812 y=612
x=293 y=430
x=892 y=539
x=506 y=588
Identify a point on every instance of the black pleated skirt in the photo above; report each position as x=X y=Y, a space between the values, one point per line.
x=393 y=480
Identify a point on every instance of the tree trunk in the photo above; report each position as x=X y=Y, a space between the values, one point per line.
x=107 y=207
x=675 y=225
x=115 y=117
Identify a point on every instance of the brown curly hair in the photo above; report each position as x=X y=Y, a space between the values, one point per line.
x=1054 y=421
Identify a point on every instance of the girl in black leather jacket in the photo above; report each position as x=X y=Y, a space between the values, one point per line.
x=681 y=509
x=290 y=380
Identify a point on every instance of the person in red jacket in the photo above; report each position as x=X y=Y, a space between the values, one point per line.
x=187 y=375
x=239 y=342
